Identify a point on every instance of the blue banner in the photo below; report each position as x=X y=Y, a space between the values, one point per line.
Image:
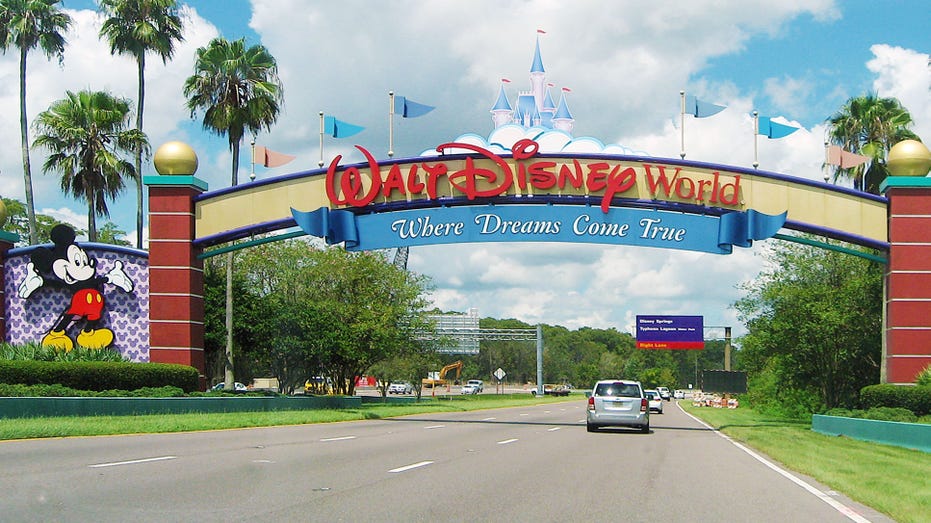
x=539 y=223
x=670 y=332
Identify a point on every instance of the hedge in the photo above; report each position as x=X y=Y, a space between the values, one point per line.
x=99 y=375
x=914 y=398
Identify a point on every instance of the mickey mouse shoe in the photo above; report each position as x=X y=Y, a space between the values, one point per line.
x=95 y=338
x=58 y=339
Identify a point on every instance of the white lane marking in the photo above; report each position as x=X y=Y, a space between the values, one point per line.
x=434 y=427
x=505 y=442
x=411 y=466
x=554 y=429
x=546 y=411
x=262 y=461
x=489 y=419
x=840 y=507
x=525 y=414
x=582 y=421
x=131 y=462
x=341 y=438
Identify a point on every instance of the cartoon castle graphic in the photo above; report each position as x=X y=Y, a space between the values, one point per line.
x=534 y=107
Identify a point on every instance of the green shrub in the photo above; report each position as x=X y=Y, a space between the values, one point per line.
x=39 y=352
x=891 y=414
x=59 y=391
x=924 y=377
x=914 y=398
x=99 y=375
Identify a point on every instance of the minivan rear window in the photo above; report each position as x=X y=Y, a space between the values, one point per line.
x=618 y=389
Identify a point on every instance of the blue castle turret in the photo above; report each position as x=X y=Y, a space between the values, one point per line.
x=533 y=107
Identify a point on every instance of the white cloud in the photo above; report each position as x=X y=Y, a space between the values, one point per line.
x=906 y=75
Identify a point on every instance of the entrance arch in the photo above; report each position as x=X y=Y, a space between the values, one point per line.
x=469 y=194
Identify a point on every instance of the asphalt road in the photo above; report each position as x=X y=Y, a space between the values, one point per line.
x=534 y=463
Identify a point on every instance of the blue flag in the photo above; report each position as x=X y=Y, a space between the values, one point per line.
x=410 y=109
x=771 y=129
x=340 y=129
x=700 y=109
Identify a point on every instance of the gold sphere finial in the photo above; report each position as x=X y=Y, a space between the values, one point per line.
x=909 y=158
x=175 y=158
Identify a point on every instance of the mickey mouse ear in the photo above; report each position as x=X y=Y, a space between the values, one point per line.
x=62 y=234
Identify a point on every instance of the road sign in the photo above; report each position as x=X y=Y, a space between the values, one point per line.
x=500 y=374
x=670 y=332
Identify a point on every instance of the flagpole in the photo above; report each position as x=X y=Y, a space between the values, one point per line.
x=390 y=124
x=320 y=163
x=252 y=172
x=756 y=132
x=682 y=123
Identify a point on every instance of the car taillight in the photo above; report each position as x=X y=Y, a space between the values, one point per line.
x=591 y=403
x=644 y=405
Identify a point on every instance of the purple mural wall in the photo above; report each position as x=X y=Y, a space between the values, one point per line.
x=125 y=313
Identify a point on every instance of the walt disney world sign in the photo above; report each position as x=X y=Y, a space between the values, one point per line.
x=470 y=194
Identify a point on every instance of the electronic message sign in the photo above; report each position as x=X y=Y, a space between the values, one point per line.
x=670 y=332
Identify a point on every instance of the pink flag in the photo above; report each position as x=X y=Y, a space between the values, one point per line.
x=541 y=31
x=270 y=158
x=843 y=159
x=566 y=90
x=505 y=80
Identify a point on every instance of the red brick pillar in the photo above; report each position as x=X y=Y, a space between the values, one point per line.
x=176 y=275
x=907 y=343
x=7 y=240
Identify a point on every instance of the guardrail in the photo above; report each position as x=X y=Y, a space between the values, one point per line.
x=909 y=435
x=46 y=407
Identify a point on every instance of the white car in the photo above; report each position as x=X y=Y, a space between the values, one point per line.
x=239 y=387
x=679 y=394
x=401 y=387
x=656 y=401
x=618 y=403
x=479 y=384
x=664 y=393
x=469 y=389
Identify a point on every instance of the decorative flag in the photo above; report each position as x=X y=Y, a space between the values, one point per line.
x=566 y=90
x=843 y=159
x=700 y=109
x=340 y=129
x=269 y=158
x=771 y=129
x=541 y=31
x=505 y=80
x=410 y=109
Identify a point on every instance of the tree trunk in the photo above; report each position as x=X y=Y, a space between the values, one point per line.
x=229 y=378
x=24 y=134
x=139 y=196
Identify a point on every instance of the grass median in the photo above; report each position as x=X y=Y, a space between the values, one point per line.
x=54 y=427
x=893 y=480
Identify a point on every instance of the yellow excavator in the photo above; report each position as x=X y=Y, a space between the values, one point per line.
x=440 y=379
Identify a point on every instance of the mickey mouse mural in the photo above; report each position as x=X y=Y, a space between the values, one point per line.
x=67 y=265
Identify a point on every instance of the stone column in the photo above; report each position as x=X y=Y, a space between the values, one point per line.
x=176 y=274
x=907 y=336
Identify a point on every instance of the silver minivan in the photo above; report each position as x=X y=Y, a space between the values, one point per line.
x=618 y=403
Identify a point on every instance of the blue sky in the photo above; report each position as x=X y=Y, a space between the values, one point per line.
x=625 y=62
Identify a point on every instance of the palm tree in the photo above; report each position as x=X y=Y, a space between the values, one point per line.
x=85 y=134
x=870 y=126
x=27 y=24
x=137 y=27
x=237 y=89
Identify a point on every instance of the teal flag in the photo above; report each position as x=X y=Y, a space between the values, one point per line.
x=340 y=129
x=700 y=109
x=771 y=129
x=409 y=108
